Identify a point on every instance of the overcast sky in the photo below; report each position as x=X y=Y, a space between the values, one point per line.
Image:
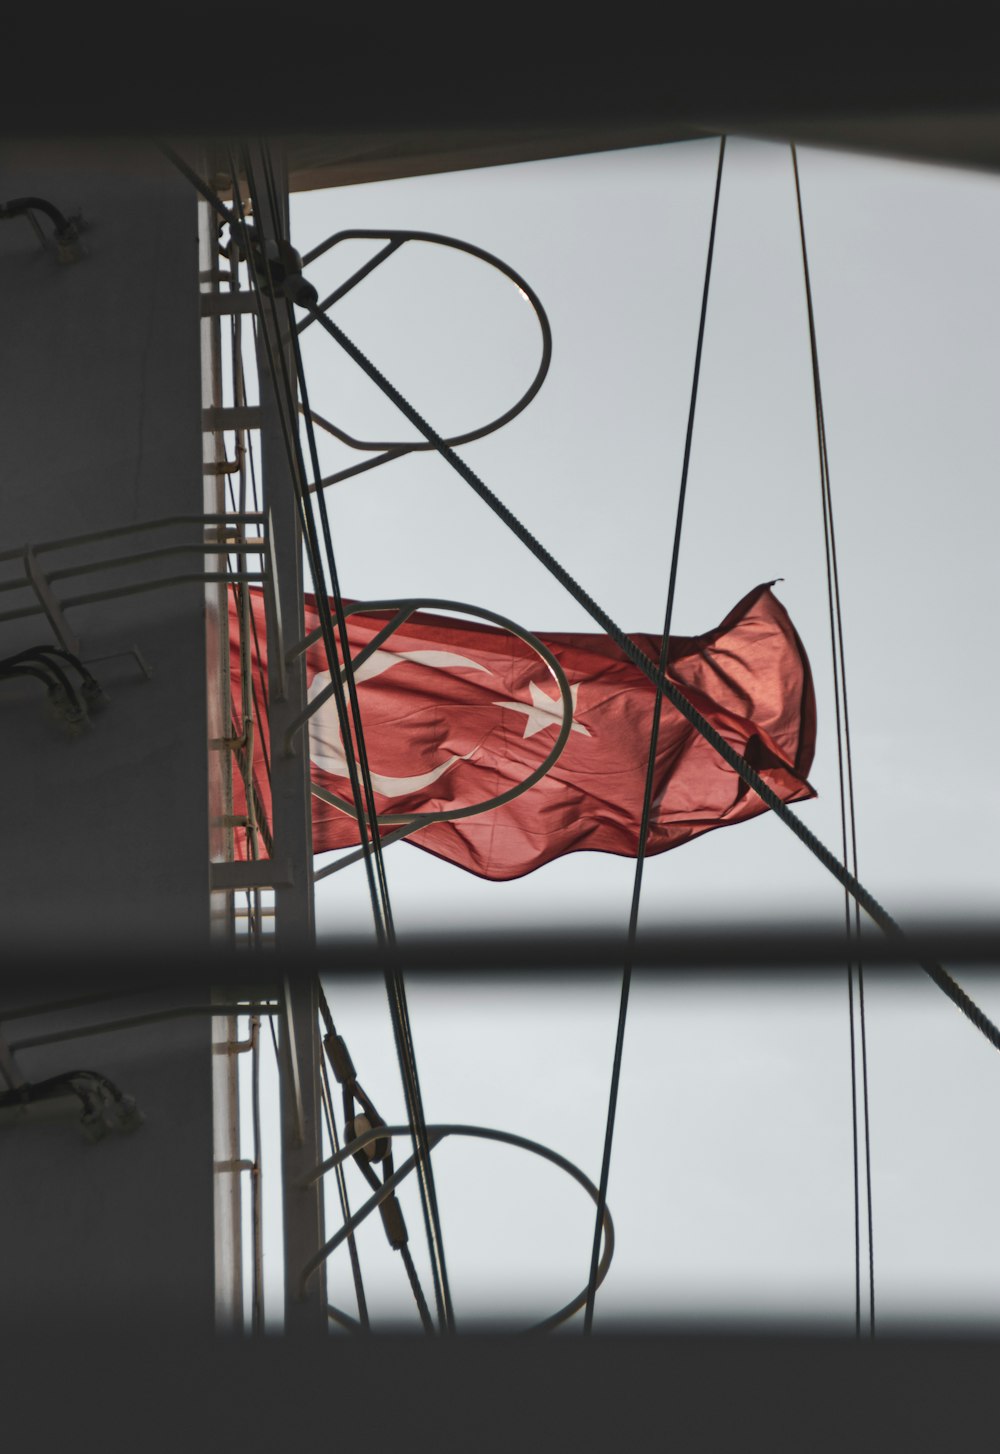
x=731 y=1183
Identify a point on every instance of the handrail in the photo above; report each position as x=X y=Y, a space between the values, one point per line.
x=395 y=238
x=435 y=1135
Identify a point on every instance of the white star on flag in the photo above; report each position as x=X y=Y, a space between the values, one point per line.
x=544 y=711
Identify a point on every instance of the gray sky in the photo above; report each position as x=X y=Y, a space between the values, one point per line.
x=731 y=1184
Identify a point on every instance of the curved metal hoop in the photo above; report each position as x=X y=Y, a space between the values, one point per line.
x=404 y=610
x=394 y=241
x=435 y=1135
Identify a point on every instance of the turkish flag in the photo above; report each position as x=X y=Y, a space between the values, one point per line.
x=457 y=713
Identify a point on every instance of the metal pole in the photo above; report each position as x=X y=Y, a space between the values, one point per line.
x=225 y=1076
x=291 y=804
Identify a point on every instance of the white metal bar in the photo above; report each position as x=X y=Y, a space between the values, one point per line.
x=228 y=519
x=200 y=547
x=49 y=604
x=249 y=577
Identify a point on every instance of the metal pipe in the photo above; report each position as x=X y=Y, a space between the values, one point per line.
x=192 y=578
x=162 y=523
x=153 y=1018
x=436 y=1134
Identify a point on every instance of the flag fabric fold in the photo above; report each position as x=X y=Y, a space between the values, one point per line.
x=458 y=712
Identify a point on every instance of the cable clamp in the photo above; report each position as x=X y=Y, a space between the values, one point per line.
x=340 y=1059
x=278 y=267
x=392 y=1220
x=375 y=1151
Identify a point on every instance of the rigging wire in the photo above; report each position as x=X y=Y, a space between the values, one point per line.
x=286 y=416
x=876 y=911
x=345 y=1205
x=366 y=809
x=647 y=800
x=833 y=609
x=383 y=913
x=354 y=1091
x=255 y=1184
x=395 y=986
x=236 y=219
x=293 y=450
x=252 y=711
x=846 y=788
x=861 y=897
x=417 y=1290
x=247 y=459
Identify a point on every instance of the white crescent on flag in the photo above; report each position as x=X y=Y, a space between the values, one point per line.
x=326 y=744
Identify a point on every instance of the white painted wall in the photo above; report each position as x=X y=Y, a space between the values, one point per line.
x=105 y=836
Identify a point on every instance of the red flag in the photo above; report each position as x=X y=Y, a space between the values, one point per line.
x=456 y=713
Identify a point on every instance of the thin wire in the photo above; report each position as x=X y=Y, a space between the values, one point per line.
x=854 y=864
x=377 y=889
x=862 y=898
x=675 y=696
x=395 y=987
x=350 y=1092
x=418 y=1292
x=257 y=675
x=847 y=804
x=261 y=701
x=255 y=1194
x=832 y=612
x=647 y=800
x=740 y=765
x=345 y=1206
x=287 y=416
x=293 y=450
x=385 y=911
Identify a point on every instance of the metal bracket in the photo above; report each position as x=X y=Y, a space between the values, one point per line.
x=233 y=1047
x=247 y=416
x=218 y=305
x=229 y=527
x=50 y=605
x=132 y=651
x=259 y=873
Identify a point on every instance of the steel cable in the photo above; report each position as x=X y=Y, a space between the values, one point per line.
x=674 y=695
x=846 y=788
x=395 y=987
x=287 y=419
x=861 y=897
x=377 y=883
x=647 y=798
x=353 y=1091
x=345 y=1205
